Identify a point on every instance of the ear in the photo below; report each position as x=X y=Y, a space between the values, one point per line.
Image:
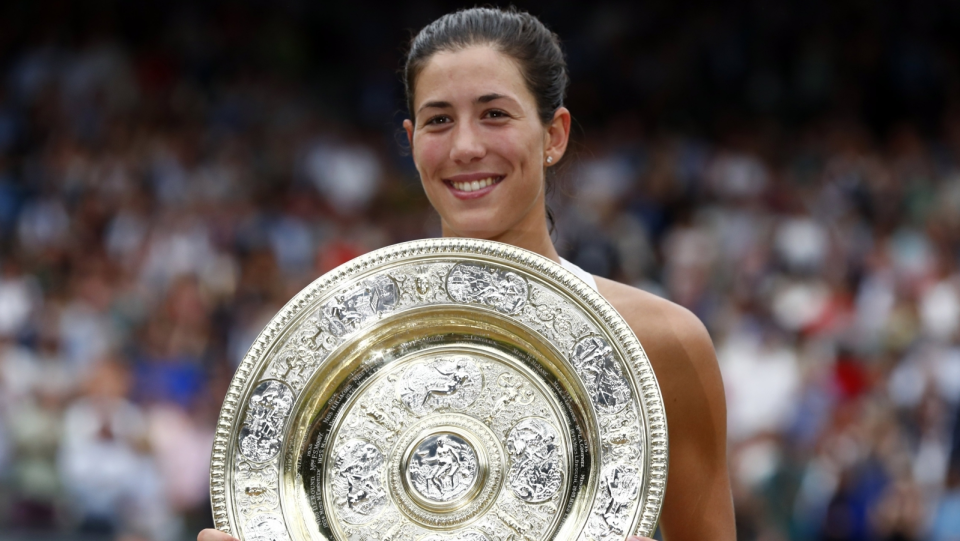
x=408 y=127
x=557 y=135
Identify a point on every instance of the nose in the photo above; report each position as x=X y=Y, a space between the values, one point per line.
x=467 y=145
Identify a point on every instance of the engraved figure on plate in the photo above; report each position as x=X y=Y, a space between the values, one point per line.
x=265 y=528
x=619 y=487
x=266 y=413
x=256 y=487
x=536 y=472
x=503 y=290
x=357 y=487
x=370 y=298
x=443 y=468
x=293 y=365
x=514 y=389
x=594 y=360
x=454 y=382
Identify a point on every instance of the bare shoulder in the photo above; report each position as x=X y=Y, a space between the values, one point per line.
x=670 y=334
x=679 y=348
x=698 y=503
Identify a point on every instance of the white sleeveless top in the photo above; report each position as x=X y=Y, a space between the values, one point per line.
x=581 y=274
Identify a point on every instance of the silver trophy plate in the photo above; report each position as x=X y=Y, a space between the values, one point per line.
x=442 y=390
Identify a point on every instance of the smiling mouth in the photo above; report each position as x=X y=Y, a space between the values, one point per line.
x=474 y=185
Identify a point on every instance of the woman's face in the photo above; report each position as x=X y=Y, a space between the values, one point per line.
x=480 y=146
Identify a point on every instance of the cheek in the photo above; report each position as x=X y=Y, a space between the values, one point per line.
x=523 y=155
x=429 y=153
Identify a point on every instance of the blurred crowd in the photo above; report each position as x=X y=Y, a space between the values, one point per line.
x=157 y=208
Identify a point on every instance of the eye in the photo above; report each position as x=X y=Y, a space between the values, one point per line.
x=496 y=113
x=438 y=120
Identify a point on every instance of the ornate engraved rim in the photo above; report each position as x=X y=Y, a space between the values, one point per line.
x=640 y=371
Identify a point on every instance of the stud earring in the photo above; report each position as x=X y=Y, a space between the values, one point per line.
x=549 y=159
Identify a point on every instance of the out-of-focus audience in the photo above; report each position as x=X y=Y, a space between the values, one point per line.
x=160 y=200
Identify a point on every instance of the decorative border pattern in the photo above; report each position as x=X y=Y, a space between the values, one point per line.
x=650 y=400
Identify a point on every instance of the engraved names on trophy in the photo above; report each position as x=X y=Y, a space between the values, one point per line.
x=267 y=411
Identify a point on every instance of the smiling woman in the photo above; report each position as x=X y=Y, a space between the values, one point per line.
x=485 y=90
x=481 y=148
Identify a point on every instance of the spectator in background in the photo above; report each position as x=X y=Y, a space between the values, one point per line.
x=105 y=463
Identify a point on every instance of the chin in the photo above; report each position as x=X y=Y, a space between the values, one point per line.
x=483 y=234
x=475 y=231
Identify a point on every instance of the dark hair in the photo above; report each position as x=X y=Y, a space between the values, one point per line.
x=514 y=33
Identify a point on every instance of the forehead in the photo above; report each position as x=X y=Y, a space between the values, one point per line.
x=468 y=73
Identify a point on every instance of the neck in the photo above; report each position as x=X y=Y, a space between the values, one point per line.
x=535 y=239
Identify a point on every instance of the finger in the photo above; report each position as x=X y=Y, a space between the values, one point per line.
x=215 y=535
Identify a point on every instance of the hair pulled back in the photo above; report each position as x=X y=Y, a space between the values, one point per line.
x=515 y=33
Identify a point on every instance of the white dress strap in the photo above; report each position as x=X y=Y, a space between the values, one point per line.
x=580 y=273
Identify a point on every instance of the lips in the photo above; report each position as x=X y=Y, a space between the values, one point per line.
x=472 y=186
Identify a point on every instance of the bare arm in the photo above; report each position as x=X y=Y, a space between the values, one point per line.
x=698 y=504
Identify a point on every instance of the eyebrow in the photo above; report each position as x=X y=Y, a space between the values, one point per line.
x=436 y=104
x=486 y=98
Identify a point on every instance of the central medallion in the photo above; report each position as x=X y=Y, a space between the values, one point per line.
x=442 y=468
x=447 y=469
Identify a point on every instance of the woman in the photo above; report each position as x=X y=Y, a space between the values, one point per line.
x=485 y=93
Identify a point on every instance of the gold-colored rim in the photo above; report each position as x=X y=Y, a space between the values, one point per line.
x=343 y=361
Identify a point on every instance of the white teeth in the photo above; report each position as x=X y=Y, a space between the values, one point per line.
x=474 y=185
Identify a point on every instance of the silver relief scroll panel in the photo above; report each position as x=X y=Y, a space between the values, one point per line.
x=256 y=488
x=503 y=290
x=453 y=382
x=267 y=410
x=620 y=486
x=265 y=528
x=357 y=482
x=489 y=392
x=536 y=470
x=371 y=298
x=593 y=358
